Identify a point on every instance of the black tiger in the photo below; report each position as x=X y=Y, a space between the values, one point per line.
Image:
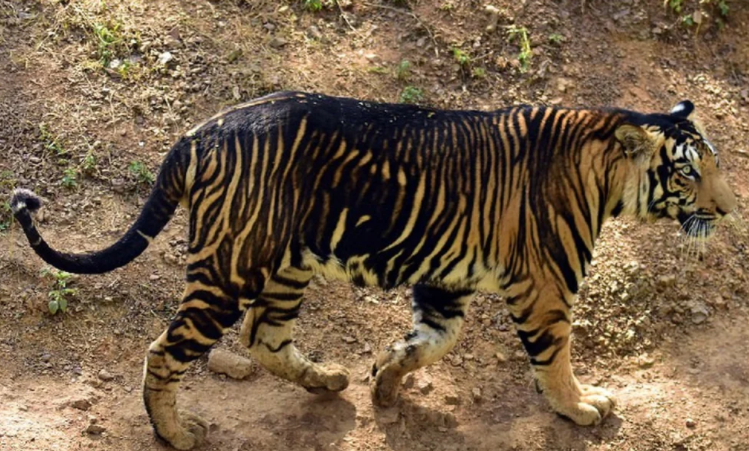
x=508 y=201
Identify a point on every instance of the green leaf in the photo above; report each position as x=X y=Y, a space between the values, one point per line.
x=63 y=305
x=53 y=307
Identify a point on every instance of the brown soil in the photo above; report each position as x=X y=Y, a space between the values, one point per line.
x=663 y=328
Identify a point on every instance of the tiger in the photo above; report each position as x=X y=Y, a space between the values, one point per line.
x=511 y=201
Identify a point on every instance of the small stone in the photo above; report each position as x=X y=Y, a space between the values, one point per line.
x=95 y=429
x=700 y=313
x=501 y=358
x=667 y=280
x=519 y=355
x=742 y=153
x=645 y=361
x=367 y=348
x=409 y=381
x=314 y=32
x=105 y=375
x=165 y=58
x=349 y=339
x=23 y=408
x=154 y=277
x=476 y=392
x=232 y=365
x=456 y=360
x=389 y=416
x=452 y=399
x=81 y=404
x=425 y=385
x=372 y=57
x=691 y=424
x=277 y=42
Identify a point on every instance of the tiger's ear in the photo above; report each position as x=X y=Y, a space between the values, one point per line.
x=686 y=110
x=683 y=109
x=636 y=141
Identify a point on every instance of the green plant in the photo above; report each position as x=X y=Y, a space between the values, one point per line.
x=403 y=70
x=89 y=163
x=411 y=94
x=674 y=5
x=108 y=37
x=478 y=72
x=69 y=178
x=51 y=142
x=6 y=216
x=462 y=58
x=521 y=33
x=58 y=295
x=313 y=5
x=141 y=172
x=556 y=38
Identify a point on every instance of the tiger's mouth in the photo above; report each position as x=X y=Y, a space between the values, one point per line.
x=697 y=225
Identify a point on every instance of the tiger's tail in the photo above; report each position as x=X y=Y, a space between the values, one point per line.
x=166 y=194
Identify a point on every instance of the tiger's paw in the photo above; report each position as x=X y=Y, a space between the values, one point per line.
x=191 y=432
x=331 y=377
x=385 y=384
x=593 y=406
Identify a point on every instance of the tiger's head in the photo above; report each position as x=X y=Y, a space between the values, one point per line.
x=676 y=171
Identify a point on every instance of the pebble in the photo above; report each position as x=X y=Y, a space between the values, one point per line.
x=501 y=358
x=645 y=361
x=349 y=339
x=232 y=365
x=667 y=280
x=95 y=429
x=81 y=404
x=700 y=313
x=691 y=424
x=314 y=32
x=409 y=381
x=476 y=392
x=105 y=375
x=425 y=385
x=277 y=42
x=452 y=399
x=165 y=58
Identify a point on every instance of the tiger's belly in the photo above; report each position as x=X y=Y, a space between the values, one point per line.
x=368 y=270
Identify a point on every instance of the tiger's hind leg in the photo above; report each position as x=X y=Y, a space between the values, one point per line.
x=200 y=322
x=438 y=316
x=267 y=331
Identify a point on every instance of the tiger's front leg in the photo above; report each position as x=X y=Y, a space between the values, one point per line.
x=543 y=321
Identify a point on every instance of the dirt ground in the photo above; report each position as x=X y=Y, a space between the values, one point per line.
x=92 y=94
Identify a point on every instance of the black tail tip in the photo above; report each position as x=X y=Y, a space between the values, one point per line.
x=24 y=199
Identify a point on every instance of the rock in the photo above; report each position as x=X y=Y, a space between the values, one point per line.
x=232 y=365
x=452 y=399
x=314 y=32
x=476 y=392
x=389 y=416
x=277 y=42
x=691 y=424
x=667 y=280
x=349 y=339
x=645 y=361
x=408 y=381
x=700 y=313
x=367 y=348
x=501 y=358
x=95 y=429
x=105 y=375
x=373 y=57
x=456 y=360
x=520 y=355
x=165 y=58
x=425 y=385
x=742 y=153
x=564 y=84
x=81 y=404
